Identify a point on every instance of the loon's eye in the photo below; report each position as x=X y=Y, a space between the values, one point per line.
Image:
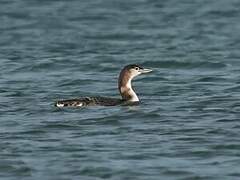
x=137 y=68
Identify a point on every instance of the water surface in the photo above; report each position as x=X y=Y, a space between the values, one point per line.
x=187 y=126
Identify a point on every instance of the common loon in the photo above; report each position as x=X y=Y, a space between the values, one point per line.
x=124 y=86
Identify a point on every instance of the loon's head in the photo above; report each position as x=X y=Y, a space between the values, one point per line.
x=133 y=70
x=125 y=78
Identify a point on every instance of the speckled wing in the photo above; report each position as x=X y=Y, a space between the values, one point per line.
x=89 y=101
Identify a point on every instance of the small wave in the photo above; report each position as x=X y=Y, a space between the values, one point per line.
x=172 y=64
x=211 y=79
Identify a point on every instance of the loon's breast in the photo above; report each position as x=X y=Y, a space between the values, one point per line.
x=89 y=101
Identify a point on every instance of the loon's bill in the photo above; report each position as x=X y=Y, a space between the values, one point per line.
x=129 y=97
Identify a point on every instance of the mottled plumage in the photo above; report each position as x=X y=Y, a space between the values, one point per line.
x=90 y=101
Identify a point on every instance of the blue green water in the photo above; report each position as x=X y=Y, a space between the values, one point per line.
x=187 y=126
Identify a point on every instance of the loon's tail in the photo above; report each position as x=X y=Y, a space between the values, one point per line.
x=89 y=101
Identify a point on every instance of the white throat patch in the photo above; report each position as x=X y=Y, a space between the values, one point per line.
x=131 y=92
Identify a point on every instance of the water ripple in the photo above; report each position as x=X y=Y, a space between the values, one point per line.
x=187 y=125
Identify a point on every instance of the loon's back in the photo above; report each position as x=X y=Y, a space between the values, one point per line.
x=89 y=101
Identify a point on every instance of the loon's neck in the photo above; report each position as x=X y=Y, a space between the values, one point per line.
x=125 y=88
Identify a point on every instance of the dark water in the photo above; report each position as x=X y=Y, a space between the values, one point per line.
x=186 y=128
